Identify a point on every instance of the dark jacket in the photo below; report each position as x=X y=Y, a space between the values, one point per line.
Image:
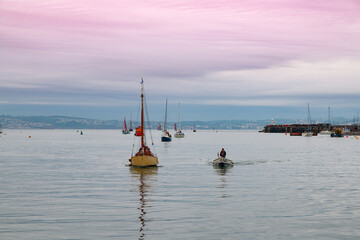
x=222 y=153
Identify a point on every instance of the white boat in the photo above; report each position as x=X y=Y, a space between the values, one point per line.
x=222 y=162
x=179 y=133
x=308 y=132
x=325 y=132
x=144 y=157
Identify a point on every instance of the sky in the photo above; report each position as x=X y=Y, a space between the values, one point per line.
x=228 y=59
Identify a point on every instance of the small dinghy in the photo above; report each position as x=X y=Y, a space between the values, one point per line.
x=222 y=162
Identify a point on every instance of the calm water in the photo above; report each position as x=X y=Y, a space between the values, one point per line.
x=60 y=185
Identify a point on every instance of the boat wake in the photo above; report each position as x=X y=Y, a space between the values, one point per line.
x=242 y=162
x=245 y=163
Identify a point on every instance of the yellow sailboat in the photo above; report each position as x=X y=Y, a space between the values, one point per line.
x=144 y=157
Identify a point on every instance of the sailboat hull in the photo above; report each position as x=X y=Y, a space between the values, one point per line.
x=166 y=139
x=337 y=135
x=179 y=135
x=307 y=134
x=143 y=161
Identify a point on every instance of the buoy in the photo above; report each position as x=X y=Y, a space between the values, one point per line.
x=29 y=136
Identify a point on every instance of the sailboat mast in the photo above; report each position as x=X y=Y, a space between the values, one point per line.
x=309 y=117
x=165 y=124
x=125 y=124
x=130 y=120
x=179 y=118
x=142 y=112
x=329 y=114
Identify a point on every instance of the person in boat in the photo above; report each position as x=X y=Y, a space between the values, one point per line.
x=223 y=153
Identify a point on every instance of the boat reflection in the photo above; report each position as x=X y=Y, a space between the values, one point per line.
x=146 y=177
x=222 y=172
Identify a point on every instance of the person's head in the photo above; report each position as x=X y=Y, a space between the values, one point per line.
x=222 y=149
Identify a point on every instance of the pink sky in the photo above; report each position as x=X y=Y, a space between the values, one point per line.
x=227 y=48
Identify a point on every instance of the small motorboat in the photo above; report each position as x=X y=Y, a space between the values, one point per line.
x=222 y=162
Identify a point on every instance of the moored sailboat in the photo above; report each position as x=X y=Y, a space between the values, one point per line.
x=179 y=133
x=144 y=157
x=308 y=132
x=327 y=131
x=125 y=130
x=166 y=137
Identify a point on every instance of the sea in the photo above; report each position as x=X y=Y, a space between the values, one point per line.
x=59 y=184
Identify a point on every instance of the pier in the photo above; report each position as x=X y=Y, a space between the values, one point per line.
x=297 y=129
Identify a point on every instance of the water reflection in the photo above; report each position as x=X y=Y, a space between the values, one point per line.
x=146 y=178
x=222 y=171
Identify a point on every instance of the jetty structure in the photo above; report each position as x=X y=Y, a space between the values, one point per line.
x=297 y=129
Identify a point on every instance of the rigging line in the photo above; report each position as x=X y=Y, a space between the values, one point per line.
x=147 y=115
x=137 y=120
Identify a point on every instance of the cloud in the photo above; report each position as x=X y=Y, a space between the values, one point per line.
x=295 y=78
x=250 y=52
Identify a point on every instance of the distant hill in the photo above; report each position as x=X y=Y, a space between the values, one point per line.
x=56 y=122
x=64 y=122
